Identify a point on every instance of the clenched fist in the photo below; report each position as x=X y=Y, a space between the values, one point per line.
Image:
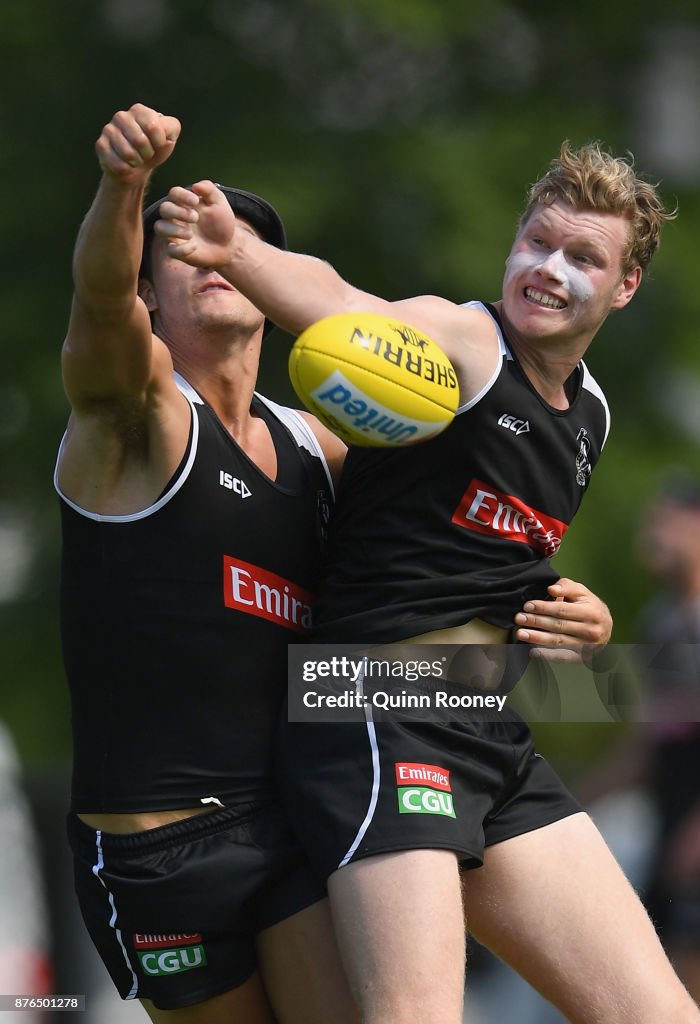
x=135 y=142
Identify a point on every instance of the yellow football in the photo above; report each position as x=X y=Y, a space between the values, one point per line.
x=373 y=380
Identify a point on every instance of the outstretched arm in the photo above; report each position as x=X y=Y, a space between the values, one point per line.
x=570 y=627
x=108 y=349
x=296 y=290
x=292 y=289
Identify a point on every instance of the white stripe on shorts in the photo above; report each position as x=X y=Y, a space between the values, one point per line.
x=113 y=919
x=371 y=732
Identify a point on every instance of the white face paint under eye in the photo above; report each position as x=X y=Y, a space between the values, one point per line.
x=575 y=282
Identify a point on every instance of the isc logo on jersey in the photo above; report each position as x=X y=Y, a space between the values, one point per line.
x=373 y=380
x=234 y=483
x=424 y=789
x=169 y=954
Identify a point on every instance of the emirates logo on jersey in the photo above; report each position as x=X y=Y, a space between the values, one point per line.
x=486 y=510
x=262 y=593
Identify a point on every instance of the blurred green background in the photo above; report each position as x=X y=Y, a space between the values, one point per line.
x=397 y=138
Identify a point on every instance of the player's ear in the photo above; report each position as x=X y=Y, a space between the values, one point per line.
x=628 y=286
x=147 y=294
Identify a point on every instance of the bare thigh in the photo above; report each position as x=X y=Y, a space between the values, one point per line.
x=302 y=972
x=246 y=1004
x=301 y=980
x=400 y=928
x=555 y=905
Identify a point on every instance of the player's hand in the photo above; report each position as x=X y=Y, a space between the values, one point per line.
x=571 y=627
x=135 y=142
x=198 y=224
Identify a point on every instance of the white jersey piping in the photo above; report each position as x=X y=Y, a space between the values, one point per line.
x=502 y=351
x=300 y=431
x=290 y=418
x=177 y=484
x=591 y=384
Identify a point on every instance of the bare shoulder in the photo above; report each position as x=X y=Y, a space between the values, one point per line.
x=333 y=448
x=467 y=335
x=450 y=322
x=122 y=447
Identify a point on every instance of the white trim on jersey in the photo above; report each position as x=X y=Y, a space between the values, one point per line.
x=503 y=350
x=591 y=384
x=300 y=431
x=588 y=380
x=172 y=490
x=376 y=779
x=187 y=389
x=290 y=418
x=96 y=869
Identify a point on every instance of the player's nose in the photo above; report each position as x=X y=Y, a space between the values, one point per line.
x=554 y=266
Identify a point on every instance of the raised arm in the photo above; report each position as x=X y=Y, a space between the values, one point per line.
x=296 y=290
x=129 y=423
x=108 y=352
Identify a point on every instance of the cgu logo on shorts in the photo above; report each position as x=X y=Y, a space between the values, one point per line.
x=486 y=510
x=169 y=954
x=424 y=789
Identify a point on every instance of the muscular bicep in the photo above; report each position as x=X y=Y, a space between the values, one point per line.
x=130 y=423
x=111 y=355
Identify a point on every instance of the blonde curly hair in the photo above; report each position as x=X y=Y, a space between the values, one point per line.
x=589 y=178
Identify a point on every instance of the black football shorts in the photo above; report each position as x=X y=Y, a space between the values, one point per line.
x=173 y=911
x=353 y=790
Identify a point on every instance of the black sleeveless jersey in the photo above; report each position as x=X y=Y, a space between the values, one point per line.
x=176 y=620
x=464 y=525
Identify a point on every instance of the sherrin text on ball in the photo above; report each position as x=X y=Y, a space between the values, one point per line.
x=374 y=380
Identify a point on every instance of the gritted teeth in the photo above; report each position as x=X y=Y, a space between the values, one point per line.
x=543 y=299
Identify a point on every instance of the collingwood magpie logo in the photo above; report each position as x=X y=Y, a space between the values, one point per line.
x=583 y=464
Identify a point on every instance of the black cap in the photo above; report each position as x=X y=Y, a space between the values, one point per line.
x=256 y=210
